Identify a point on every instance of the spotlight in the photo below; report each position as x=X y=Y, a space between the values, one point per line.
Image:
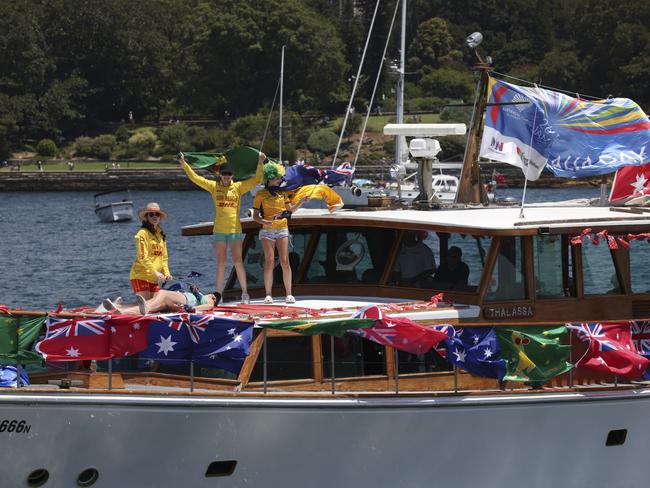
x=474 y=40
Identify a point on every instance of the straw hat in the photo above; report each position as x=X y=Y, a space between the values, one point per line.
x=151 y=207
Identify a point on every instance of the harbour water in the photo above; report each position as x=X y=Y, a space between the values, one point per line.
x=53 y=249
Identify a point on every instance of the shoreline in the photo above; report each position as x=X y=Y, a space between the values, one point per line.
x=175 y=179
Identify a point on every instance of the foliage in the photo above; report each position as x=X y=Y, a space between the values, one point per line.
x=122 y=134
x=83 y=146
x=46 y=147
x=432 y=43
x=142 y=142
x=174 y=138
x=103 y=145
x=446 y=82
x=323 y=141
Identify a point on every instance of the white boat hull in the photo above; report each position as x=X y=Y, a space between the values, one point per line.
x=115 y=212
x=535 y=440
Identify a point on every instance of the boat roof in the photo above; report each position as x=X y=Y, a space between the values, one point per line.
x=482 y=219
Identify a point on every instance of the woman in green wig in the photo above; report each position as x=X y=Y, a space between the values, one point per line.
x=269 y=210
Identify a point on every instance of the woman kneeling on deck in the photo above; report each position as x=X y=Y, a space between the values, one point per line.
x=270 y=208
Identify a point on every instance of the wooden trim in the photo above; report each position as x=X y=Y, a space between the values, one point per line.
x=490 y=262
x=621 y=258
x=307 y=257
x=392 y=257
x=390 y=357
x=529 y=268
x=249 y=363
x=577 y=272
x=317 y=357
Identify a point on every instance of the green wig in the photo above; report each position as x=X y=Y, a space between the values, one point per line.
x=273 y=170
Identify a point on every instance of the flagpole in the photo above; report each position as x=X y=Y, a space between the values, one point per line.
x=332 y=364
x=281 y=89
x=191 y=376
x=396 y=371
x=110 y=374
x=455 y=379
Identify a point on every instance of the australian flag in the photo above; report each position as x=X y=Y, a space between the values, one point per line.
x=475 y=350
x=302 y=174
x=205 y=339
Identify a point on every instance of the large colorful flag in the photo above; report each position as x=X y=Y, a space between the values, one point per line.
x=17 y=335
x=534 y=354
x=476 y=350
x=310 y=326
x=398 y=332
x=87 y=338
x=610 y=349
x=302 y=174
x=630 y=181
x=205 y=339
x=534 y=128
x=318 y=192
x=244 y=161
x=641 y=339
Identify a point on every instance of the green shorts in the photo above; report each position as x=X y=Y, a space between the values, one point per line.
x=222 y=237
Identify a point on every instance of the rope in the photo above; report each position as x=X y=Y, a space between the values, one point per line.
x=537 y=85
x=374 y=90
x=356 y=82
x=268 y=121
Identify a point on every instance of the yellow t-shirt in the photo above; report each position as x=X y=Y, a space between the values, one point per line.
x=227 y=199
x=320 y=192
x=270 y=206
x=150 y=256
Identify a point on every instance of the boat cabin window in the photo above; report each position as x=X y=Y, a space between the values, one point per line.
x=353 y=356
x=422 y=363
x=350 y=255
x=254 y=259
x=553 y=267
x=288 y=358
x=599 y=273
x=440 y=261
x=639 y=259
x=508 y=281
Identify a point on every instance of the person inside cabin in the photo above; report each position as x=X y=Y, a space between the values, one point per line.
x=167 y=301
x=226 y=195
x=151 y=265
x=452 y=273
x=415 y=262
x=270 y=208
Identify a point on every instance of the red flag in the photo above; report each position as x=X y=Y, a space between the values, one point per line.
x=76 y=339
x=631 y=181
x=398 y=332
x=611 y=349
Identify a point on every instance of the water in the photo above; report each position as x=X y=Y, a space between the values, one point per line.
x=53 y=249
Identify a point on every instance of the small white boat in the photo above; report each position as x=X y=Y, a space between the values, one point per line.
x=109 y=210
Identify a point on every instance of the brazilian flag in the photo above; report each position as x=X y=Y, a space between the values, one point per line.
x=534 y=354
x=17 y=334
x=243 y=160
x=313 y=327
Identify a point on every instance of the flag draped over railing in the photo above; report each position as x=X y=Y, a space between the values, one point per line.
x=534 y=128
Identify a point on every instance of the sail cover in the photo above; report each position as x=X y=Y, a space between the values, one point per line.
x=534 y=128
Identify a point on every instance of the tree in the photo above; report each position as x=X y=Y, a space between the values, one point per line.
x=431 y=45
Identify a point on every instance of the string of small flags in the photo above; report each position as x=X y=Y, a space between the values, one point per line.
x=613 y=242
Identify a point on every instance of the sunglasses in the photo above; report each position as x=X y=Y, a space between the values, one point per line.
x=226 y=173
x=153 y=214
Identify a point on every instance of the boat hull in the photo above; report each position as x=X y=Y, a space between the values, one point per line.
x=535 y=440
x=115 y=212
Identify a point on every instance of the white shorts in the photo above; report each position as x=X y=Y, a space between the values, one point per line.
x=274 y=234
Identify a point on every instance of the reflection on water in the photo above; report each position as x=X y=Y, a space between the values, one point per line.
x=53 y=249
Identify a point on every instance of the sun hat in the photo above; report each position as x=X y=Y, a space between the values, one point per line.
x=151 y=207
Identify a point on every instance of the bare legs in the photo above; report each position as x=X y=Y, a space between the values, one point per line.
x=235 y=253
x=220 y=253
x=269 y=261
x=164 y=300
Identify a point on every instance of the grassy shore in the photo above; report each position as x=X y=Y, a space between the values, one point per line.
x=93 y=166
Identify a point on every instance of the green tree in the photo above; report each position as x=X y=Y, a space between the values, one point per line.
x=432 y=43
x=323 y=141
x=46 y=147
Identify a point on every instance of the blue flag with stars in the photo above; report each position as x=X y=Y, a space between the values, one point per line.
x=475 y=350
x=205 y=339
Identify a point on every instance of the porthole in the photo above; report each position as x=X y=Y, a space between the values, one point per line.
x=88 y=477
x=38 y=477
x=220 y=468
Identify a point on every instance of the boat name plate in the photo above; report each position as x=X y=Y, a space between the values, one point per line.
x=508 y=311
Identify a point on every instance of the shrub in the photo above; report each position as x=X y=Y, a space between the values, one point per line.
x=46 y=147
x=174 y=138
x=446 y=82
x=323 y=141
x=83 y=146
x=142 y=142
x=122 y=133
x=199 y=138
x=102 y=146
x=457 y=115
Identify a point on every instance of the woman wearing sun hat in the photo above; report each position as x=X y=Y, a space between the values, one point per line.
x=151 y=265
x=269 y=206
x=226 y=195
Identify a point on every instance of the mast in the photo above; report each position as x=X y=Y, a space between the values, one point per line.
x=399 y=106
x=470 y=188
x=281 y=89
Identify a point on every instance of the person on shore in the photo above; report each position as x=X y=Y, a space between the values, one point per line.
x=151 y=265
x=166 y=301
x=269 y=210
x=226 y=195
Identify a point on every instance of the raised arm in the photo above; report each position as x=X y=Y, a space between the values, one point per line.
x=204 y=183
x=250 y=183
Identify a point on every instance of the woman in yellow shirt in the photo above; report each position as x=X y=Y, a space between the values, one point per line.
x=268 y=208
x=151 y=265
x=226 y=195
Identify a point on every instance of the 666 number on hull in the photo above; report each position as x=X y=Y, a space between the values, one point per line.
x=17 y=426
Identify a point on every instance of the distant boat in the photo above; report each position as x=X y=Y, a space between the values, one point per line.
x=110 y=209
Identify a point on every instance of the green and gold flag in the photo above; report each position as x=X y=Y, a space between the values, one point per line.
x=17 y=334
x=534 y=354
x=243 y=160
x=313 y=327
